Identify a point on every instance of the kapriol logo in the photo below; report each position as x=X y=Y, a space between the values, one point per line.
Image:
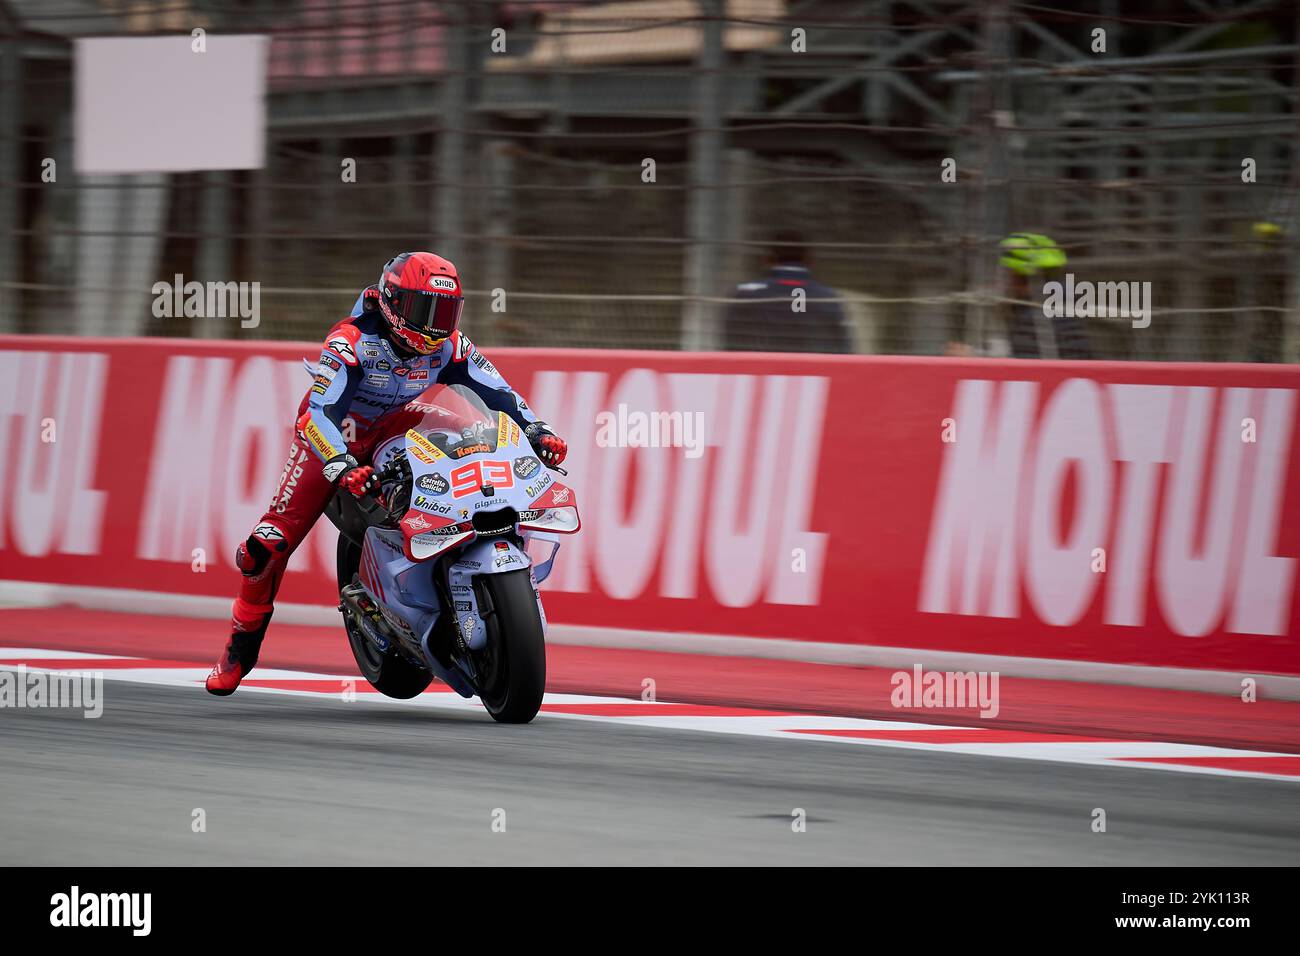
x=1127 y=490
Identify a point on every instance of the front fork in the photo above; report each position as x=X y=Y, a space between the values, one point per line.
x=466 y=576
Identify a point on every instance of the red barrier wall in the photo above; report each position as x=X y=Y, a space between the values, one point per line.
x=1127 y=513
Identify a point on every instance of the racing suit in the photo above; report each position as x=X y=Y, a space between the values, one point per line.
x=360 y=376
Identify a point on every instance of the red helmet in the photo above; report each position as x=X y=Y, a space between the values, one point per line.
x=420 y=298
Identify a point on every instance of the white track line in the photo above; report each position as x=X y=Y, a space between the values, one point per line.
x=28 y=594
x=661 y=716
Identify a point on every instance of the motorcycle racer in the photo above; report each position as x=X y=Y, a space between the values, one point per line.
x=402 y=337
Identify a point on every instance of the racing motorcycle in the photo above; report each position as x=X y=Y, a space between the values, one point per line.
x=438 y=570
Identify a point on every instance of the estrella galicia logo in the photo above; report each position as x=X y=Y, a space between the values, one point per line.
x=527 y=466
x=433 y=483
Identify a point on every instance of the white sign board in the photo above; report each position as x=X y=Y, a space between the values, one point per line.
x=155 y=104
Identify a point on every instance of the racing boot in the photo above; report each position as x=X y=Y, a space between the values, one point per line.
x=261 y=561
x=239 y=657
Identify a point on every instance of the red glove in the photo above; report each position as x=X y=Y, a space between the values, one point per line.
x=550 y=447
x=360 y=481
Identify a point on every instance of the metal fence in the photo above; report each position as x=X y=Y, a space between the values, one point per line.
x=516 y=136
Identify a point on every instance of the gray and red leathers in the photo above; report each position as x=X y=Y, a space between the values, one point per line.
x=363 y=375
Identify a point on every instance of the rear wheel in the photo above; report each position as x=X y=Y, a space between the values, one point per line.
x=512 y=665
x=387 y=671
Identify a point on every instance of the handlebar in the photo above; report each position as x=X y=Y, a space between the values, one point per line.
x=397 y=468
x=375 y=508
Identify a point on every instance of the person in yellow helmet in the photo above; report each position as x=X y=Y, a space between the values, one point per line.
x=1034 y=259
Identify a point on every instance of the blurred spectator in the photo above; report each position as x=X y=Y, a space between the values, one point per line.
x=792 y=323
x=1259 y=333
x=1035 y=259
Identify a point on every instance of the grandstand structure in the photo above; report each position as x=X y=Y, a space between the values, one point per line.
x=616 y=168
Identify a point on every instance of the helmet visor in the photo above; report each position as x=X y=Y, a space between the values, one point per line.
x=429 y=313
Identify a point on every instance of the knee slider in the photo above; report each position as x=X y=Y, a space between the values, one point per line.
x=253 y=555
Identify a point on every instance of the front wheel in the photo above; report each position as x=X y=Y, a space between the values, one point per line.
x=512 y=664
